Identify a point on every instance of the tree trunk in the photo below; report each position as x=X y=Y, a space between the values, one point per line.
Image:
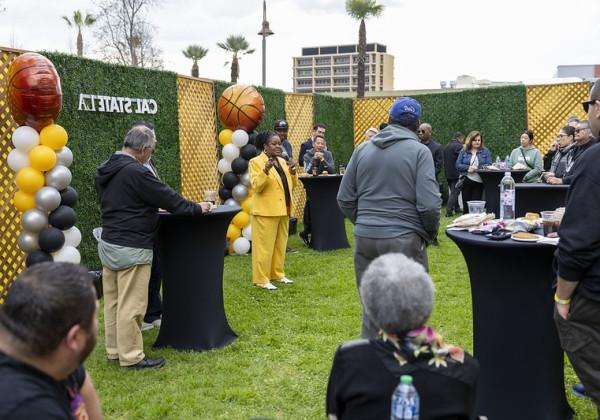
x=195 y=69
x=235 y=69
x=79 y=44
x=362 y=56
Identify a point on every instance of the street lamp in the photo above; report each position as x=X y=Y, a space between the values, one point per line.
x=265 y=31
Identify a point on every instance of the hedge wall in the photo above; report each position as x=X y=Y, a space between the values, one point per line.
x=336 y=114
x=94 y=136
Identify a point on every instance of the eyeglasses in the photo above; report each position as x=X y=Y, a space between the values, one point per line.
x=586 y=104
x=577 y=130
x=420 y=131
x=563 y=135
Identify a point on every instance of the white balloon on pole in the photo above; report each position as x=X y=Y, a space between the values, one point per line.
x=64 y=156
x=72 y=236
x=47 y=198
x=59 y=177
x=241 y=246
x=247 y=232
x=25 y=138
x=224 y=166
x=17 y=160
x=230 y=152
x=239 y=138
x=67 y=254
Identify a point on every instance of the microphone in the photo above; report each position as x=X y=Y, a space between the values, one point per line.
x=285 y=155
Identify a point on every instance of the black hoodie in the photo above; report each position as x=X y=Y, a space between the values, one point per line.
x=130 y=197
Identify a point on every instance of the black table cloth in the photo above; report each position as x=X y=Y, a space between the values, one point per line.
x=328 y=230
x=192 y=252
x=539 y=197
x=514 y=337
x=491 y=187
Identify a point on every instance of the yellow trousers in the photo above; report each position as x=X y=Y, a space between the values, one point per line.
x=125 y=301
x=269 y=240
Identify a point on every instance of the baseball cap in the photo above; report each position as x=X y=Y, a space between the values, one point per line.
x=281 y=125
x=406 y=110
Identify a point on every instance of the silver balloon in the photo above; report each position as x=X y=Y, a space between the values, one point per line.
x=246 y=179
x=35 y=220
x=47 y=198
x=231 y=202
x=239 y=192
x=64 y=157
x=28 y=241
x=59 y=177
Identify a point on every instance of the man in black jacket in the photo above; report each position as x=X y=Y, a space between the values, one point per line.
x=577 y=310
x=583 y=141
x=318 y=130
x=424 y=132
x=451 y=152
x=130 y=196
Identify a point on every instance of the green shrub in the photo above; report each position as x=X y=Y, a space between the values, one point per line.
x=336 y=114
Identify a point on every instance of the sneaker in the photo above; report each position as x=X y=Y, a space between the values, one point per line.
x=268 y=286
x=146 y=326
x=285 y=280
x=147 y=363
x=305 y=238
x=579 y=390
x=289 y=250
x=157 y=322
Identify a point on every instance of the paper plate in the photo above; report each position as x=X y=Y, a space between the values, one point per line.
x=537 y=238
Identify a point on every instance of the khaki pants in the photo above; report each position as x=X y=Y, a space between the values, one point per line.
x=269 y=239
x=125 y=301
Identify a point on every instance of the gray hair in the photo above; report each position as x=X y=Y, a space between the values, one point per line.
x=585 y=123
x=397 y=293
x=139 y=137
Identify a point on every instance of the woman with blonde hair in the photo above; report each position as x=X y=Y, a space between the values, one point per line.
x=472 y=157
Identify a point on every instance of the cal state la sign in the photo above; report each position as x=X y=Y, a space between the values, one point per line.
x=116 y=104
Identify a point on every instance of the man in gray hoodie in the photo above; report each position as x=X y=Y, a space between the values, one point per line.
x=390 y=194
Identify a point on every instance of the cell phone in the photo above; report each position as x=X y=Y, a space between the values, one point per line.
x=498 y=235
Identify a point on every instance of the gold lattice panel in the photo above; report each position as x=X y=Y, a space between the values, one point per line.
x=198 y=150
x=12 y=260
x=549 y=106
x=369 y=112
x=299 y=111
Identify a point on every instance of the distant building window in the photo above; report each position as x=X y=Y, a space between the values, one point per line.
x=341 y=60
x=373 y=68
x=328 y=50
x=342 y=70
x=304 y=90
x=304 y=72
x=305 y=62
x=323 y=72
x=310 y=51
x=355 y=58
x=341 y=89
x=323 y=61
x=344 y=49
x=322 y=82
x=304 y=82
x=370 y=47
x=381 y=48
x=341 y=81
x=323 y=90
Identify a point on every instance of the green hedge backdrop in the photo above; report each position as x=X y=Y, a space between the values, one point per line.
x=336 y=114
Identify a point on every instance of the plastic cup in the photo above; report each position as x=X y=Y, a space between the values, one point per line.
x=476 y=207
x=550 y=222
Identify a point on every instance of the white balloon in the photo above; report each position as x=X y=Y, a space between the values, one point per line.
x=230 y=152
x=239 y=138
x=72 y=236
x=64 y=156
x=25 y=138
x=247 y=232
x=241 y=246
x=67 y=254
x=17 y=160
x=224 y=166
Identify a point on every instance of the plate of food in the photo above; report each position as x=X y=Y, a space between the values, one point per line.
x=525 y=237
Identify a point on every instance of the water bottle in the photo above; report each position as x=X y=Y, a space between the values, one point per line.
x=507 y=162
x=507 y=197
x=405 y=400
x=341 y=167
x=498 y=163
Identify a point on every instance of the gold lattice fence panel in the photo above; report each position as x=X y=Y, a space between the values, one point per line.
x=11 y=258
x=197 y=137
x=299 y=111
x=549 y=106
x=369 y=112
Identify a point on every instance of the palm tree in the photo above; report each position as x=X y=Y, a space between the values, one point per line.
x=195 y=52
x=361 y=10
x=79 y=21
x=238 y=45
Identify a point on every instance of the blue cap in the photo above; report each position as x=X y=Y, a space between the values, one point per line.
x=406 y=110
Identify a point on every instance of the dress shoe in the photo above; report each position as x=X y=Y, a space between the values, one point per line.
x=147 y=363
x=268 y=286
x=146 y=326
x=305 y=238
x=285 y=280
x=579 y=390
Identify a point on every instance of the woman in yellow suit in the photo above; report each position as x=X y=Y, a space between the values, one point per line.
x=273 y=180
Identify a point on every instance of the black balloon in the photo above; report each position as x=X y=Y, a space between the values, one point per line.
x=248 y=151
x=68 y=197
x=36 y=257
x=230 y=180
x=252 y=137
x=51 y=239
x=224 y=193
x=63 y=217
x=239 y=165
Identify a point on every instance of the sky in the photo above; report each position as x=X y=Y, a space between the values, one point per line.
x=432 y=40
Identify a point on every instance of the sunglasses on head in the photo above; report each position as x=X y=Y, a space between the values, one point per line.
x=586 y=104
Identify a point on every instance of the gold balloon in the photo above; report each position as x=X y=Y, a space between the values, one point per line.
x=42 y=158
x=30 y=180
x=233 y=232
x=241 y=219
x=225 y=136
x=54 y=136
x=247 y=205
x=24 y=201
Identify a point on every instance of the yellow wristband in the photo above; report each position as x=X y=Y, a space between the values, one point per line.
x=561 y=301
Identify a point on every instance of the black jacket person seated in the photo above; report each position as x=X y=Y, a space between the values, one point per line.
x=398 y=295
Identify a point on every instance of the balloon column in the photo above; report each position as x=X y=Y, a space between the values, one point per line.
x=241 y=109
x=41 y=162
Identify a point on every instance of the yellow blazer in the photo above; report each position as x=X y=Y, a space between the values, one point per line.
x=269 y=195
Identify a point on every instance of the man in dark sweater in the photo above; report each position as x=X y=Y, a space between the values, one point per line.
x=130 y=196
x=318 y=130
x=584 y=140
x=577 y=310
x=424 y=132
x=451 y=152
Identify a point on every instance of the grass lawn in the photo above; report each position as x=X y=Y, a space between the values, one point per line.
x=278 y=367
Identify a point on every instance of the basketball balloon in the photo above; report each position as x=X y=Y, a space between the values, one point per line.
x=34 y=93
x=241 y=107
